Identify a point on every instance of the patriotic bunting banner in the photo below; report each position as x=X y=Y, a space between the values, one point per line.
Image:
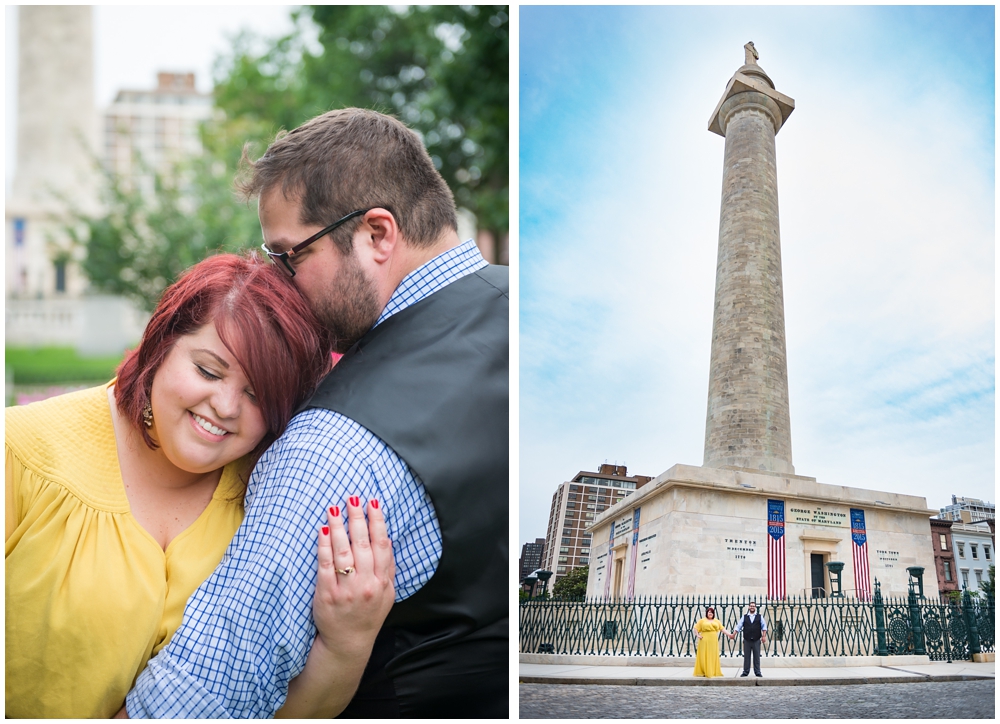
x=608 y=562
x=633 y=553
x=776 y=549
x=862 y=574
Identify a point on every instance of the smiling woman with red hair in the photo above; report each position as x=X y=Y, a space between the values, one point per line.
x=121 y=499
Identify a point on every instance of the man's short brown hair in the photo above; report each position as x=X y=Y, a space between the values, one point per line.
x=352 y=159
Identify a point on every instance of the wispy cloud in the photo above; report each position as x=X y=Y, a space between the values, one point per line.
x=886 y=184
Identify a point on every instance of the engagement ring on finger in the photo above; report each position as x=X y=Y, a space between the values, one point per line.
x=345 y=571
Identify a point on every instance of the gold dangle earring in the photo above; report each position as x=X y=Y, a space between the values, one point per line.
x=147 y=415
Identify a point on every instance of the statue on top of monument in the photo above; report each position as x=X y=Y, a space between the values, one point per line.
x=751 y=53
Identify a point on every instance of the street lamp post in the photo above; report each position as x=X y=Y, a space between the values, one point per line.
x=544 y=577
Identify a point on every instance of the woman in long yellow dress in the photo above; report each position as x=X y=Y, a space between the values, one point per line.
x=707 y=662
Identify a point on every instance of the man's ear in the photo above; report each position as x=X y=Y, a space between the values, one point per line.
x=381 y=227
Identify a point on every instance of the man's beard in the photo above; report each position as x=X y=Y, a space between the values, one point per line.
x=351 y=308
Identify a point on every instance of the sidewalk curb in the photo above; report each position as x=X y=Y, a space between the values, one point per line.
x=725 y=681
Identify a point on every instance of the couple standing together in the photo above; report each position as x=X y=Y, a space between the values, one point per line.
x=752 y=626
x=230 y=528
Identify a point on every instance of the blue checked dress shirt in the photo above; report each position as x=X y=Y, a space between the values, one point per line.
x=248 y=629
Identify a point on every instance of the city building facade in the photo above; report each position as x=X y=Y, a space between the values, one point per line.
x=531 y=557
x=974 y=552
x=968 y=510
x=575 y=505
x=49 y=300
x=944 y=557
x=147 y=131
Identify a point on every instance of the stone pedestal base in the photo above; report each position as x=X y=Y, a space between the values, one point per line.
x=704 y=532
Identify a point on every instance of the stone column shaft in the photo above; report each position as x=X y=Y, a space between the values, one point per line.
x=747 y=422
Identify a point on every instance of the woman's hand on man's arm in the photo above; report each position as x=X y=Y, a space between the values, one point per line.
x=354 y=592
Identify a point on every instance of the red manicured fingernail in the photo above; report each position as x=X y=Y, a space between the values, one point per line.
x=375 y=504
x=354 y=500
x=335 y=511
x=326 y=530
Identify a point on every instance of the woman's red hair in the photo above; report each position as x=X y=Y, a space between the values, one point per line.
x=260 y=317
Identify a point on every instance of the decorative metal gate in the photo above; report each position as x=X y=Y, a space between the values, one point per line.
x=944 y=630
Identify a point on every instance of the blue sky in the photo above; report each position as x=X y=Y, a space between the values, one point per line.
x=886 y=183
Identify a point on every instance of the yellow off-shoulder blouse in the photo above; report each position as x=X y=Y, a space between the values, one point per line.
x=91 y=596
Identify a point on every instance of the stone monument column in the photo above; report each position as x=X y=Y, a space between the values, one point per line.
x=747 y=423
x=57 y=132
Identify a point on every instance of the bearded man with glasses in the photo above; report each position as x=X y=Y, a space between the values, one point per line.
x=414 y=415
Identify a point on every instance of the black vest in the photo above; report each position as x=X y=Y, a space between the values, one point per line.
x=751 y=630
x=432 y=383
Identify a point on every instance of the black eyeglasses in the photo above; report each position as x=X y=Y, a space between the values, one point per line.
x=282 y=259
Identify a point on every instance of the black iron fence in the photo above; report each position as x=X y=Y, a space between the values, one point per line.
x=944 y=630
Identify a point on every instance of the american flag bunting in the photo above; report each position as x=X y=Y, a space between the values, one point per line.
x=776 y=549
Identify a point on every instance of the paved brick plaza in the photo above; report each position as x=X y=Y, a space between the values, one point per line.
x=928 y=700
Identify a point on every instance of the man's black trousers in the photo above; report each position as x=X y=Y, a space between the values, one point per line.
x=754 y=648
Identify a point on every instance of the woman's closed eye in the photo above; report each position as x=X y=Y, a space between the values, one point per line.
x=206 y=374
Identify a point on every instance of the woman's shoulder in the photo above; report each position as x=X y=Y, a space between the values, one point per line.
x=53 y=410
x=67 y=439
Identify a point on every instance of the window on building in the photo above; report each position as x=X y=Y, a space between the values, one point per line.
x=564 y=550
x=947 y=570
x=986 y=552
x=572 y=496
x=565 y=541
x=591 y=497
x=944 y=541
x=588 y=516
x=975 y=551
x=584 y=551
x=961 y=550
x=965 y=577
x=979 y=576
x=60 y=276
x=570 y=504
x=584 y=561
x=563 y=559
x=561 y=569
x=591 y=506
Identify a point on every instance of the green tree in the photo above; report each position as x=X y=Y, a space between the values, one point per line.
x=988 y=587
x=573 y=585
x=141 y=242
x=443 y=70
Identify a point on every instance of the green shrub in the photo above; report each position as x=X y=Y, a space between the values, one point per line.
x=50 y=365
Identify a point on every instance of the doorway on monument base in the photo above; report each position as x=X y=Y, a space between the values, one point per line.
x=616 y=583
x=817 y=575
